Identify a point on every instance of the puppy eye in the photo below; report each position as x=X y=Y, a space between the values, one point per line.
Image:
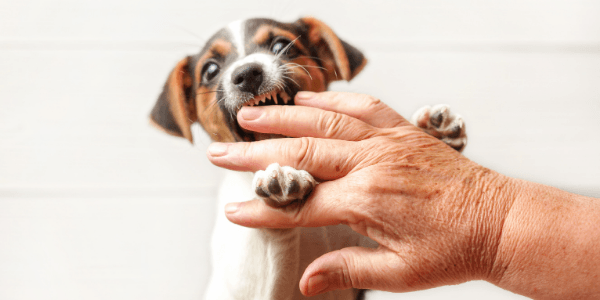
x=284 y=45
x=210 y=71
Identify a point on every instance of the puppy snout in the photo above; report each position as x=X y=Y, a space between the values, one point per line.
x=248 y=78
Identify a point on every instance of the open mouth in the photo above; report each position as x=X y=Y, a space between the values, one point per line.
x=273 y=97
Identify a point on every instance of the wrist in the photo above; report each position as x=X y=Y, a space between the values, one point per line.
x=492 y=200
x=549 y=245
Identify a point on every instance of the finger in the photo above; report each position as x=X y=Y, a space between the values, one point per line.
x=304 y=121
x=326 y=206
x=354 y=267
x=360 y=106
x=323 y=158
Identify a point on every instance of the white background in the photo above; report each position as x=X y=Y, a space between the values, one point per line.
x=96 y=204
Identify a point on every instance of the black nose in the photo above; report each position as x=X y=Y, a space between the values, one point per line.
x=248 y=78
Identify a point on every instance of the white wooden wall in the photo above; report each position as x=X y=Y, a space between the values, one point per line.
x=96 y=204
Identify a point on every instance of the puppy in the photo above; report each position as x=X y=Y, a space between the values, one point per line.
x=265 y=62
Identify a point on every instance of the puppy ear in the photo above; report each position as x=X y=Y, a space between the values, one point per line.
x=341 y=59
x=174 y=112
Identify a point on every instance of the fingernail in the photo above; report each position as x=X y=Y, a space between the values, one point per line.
x=251 y=113
x=305 y=95
x=231 y=208
x=317 y=284
x=218 y=149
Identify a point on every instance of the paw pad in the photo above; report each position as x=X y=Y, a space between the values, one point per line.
x=279 y=186
x=439 y=122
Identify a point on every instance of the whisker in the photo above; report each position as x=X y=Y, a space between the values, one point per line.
x=215 y=91
x=317 y=67
x=208 y=108
x=292 y=80
x=213 y=105
x=307 y=73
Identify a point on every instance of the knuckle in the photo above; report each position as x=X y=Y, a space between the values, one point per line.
x=245 y=150
x=330 y=123
x=303 y=152
x=371 y=103
x=348 y=278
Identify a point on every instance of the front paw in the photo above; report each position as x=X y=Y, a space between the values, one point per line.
x=439 y=122
x=279 y=186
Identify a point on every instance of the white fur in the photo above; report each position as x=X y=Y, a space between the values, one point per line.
x=284 y=177
x=267 y=264
x=444 y=127
x=237 y=31
x=271 y=74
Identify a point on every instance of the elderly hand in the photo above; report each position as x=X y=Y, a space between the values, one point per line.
x=386 y=179
x=438 y=217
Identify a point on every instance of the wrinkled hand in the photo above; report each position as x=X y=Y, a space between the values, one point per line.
x=436 y=215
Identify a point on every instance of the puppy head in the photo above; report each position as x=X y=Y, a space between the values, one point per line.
x=251 y=62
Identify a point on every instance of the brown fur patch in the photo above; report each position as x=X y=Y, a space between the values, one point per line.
x=314 y=80
x=264 y=31
x=219 y=46
x=211 y=117
x=178 y=82
x=208 y=113
x=320 y=33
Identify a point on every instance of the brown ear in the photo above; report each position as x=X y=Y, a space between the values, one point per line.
x=341 y=59
x=174 y=110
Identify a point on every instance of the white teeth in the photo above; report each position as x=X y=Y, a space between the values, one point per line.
x=285 y=97
x=270 y=96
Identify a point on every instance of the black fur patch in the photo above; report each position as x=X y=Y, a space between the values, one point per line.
x=361 y=294
x=355 y=57
x=162 y=115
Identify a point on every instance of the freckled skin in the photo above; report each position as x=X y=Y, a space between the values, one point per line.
x=439 y=218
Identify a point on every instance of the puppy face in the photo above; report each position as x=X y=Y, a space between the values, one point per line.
x=251 y=62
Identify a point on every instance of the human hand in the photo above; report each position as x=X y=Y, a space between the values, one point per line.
x=436 y=215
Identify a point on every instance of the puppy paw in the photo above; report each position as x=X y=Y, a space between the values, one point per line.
x=279 y=186
x=439 y=122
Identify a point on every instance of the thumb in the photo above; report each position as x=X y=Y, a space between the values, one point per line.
x=353 y=267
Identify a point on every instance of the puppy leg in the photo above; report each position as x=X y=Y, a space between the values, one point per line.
x=279 y=186
x=439 y=122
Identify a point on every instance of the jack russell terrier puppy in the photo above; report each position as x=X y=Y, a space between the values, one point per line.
x=265 y=62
